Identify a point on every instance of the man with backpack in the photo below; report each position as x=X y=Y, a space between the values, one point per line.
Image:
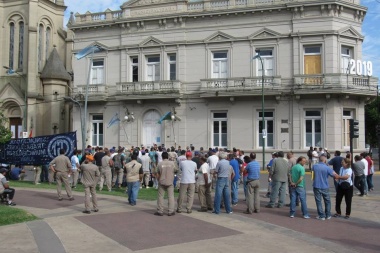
x=310 y=156
x=119 y=163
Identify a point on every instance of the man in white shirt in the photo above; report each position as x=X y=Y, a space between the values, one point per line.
x=187 y=187
x=75 y=168
x=204 y=182
x=365 y=173
x=145 y=161
x=212 y=160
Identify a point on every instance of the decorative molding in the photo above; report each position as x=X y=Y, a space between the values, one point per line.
x=264 y=33
x=151 y=41
x=219 y=36
x=350 y=32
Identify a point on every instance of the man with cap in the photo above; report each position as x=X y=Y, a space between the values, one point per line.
x=90 y=177
x=4 y=188
x=61 y=166
x=187 y=187
x=321 y=187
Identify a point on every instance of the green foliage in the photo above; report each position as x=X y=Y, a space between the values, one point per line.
x=12 y=215
x=372 y=119
x=5 y=132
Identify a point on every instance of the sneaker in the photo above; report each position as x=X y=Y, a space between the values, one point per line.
x=235 y=204
x=269 y=206
x=306 y=217
x=171 y=214
x=147 y=187
x=179 y=211
x=291 y=216
x=86 y=212
x=11 y=204
x=189 y=211
x=158 y=214
x=320 y=218
x=71 y=199
x=328 y=217
x=230 y=212
x=95 y=210
x=347 y=217
x=337 y=215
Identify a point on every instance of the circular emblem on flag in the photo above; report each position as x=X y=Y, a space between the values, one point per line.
x=58 y=143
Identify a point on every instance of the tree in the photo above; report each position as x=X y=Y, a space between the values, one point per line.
x=372 y=119
x=5 y=132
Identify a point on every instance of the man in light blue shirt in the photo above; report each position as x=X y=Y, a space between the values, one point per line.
x=253 y=184
x=224 y=171
x=321 y=187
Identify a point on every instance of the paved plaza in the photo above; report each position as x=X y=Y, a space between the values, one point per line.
x=119 y=227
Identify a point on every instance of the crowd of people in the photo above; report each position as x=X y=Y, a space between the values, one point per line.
x=201 y=171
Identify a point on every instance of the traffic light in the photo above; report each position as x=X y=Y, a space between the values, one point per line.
x=354 y=128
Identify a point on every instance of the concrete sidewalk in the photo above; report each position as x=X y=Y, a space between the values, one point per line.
x=119 y=227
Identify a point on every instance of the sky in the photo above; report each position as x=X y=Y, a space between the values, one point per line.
x=370 y=29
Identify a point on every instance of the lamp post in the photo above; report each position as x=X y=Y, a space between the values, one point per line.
x=257 y=56
x=81 y=120
x=25 y=120
x=83 y=53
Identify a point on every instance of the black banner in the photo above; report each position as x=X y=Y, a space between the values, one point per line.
x=39 y=150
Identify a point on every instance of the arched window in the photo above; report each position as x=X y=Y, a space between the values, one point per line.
x=21 y=45
x=40 y=45
x=11 y=44
x=48 y=31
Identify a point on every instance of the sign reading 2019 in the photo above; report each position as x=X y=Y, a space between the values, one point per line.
x=361 y=68
x=37 y=151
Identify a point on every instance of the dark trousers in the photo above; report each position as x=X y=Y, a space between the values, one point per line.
x=359 y=183
x=10 y=192
x=369 y=181
x=347 y=194
x=44 y=177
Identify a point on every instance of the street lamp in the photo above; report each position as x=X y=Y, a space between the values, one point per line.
x=83 y=53
x=25 y=121
x=81 y=120
x=264 y=134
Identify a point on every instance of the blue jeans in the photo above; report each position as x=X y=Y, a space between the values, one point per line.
x=245 y=186
x=133 y=191
x=222 y=187
x=298 y=192
x=365 y=185
x=234 y=191
x=318 y=195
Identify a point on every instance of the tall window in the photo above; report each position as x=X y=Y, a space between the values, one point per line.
x=312 y=60
x=11 y=44
x=269 y=129
x=219 y=129
x=97 y=71
x=135 y=69
x=172 y=67
x=219 y=65
x=40 y=45
x=21 y=45
x=346 y=55
x=267 y=57
x=313 y=128
x=153 y=68
x=347 y=115
x=48 y=32
x=97 y=130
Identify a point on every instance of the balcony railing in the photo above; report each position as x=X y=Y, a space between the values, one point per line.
x=148 y=87
x=336 y=81
x=240 y=83
x=93 y=89
x=200 y=6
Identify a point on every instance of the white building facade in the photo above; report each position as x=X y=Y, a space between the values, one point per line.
x=194 y=59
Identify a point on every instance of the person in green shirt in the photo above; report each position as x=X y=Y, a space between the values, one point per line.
x=297 y=187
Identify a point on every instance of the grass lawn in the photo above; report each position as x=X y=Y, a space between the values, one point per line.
x=144 y=194
x=12 y=215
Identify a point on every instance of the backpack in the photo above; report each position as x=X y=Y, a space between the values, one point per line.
x=310 y=153
x=328 y=155
x=117 y=162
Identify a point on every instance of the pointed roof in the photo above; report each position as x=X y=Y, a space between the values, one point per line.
x=54 y=68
